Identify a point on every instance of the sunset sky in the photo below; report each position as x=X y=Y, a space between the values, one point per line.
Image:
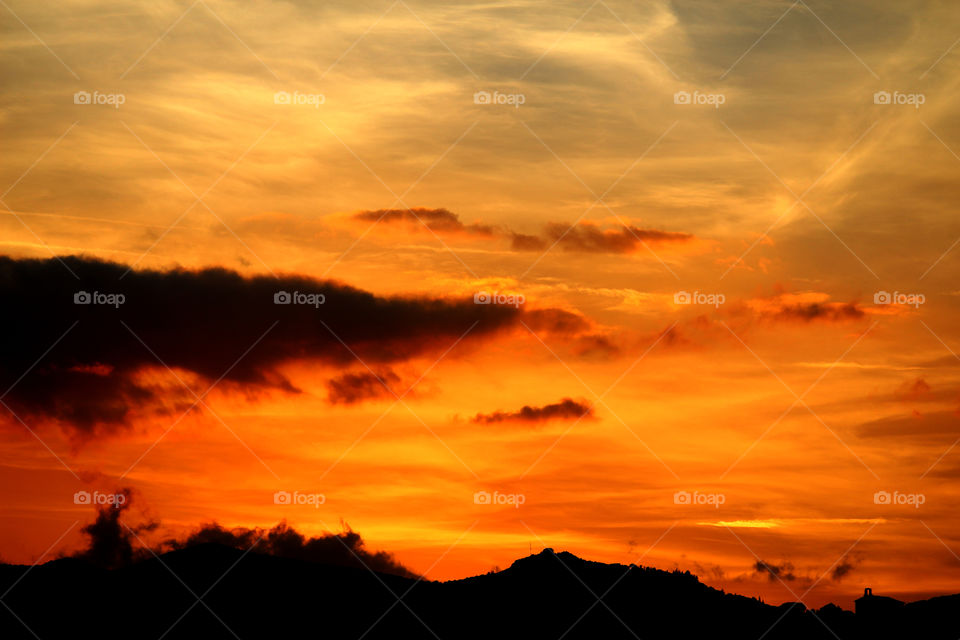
x=632 y=157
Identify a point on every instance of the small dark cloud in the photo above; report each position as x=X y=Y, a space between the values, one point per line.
x=803 y=307
x=942 y=362
x=581 y=237
x=714 y=572
x=914 y=390
x=595 y=347
x=438 y=220
x=951 y=472
x=775 y=571
x=351 y=388
x=823 y=311
x=584 y=341
x=524 y=242
x=843 y=568
x=566 y=409
x=935 y=426
x=556 y=321
x=590 y=238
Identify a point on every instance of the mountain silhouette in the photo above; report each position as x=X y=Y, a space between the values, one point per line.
x=215 y=591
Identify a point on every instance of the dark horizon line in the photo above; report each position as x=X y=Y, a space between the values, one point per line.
x=154 y=556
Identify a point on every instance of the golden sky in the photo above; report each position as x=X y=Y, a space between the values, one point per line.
x=793 y=167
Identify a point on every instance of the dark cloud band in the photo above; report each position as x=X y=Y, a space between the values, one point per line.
x=209 y=324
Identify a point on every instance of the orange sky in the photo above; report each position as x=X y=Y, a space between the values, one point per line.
x=790 y=388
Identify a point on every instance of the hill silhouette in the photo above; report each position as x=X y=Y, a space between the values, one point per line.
x=210 y=590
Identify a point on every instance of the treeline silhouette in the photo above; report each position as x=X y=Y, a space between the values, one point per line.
x=212 y=590
x=268 y=583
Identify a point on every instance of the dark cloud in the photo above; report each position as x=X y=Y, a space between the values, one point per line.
x=580 y=237
x=584 y=341
x=842 y=569
x=936 y=426
x=942 y=471
x=596 y=346
x=524 y=242
x=589 y=238
x=556 y=321
x=915 y=390
x=774 y=571
x=344 y=549
x=438 y=220
x=945 y=361
x=205 y=324
x=803 y=307
x=111 y=543
x=566 y=409
x=825 y=311
x=715 y=572
x=686 y=335
x=351 y=388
